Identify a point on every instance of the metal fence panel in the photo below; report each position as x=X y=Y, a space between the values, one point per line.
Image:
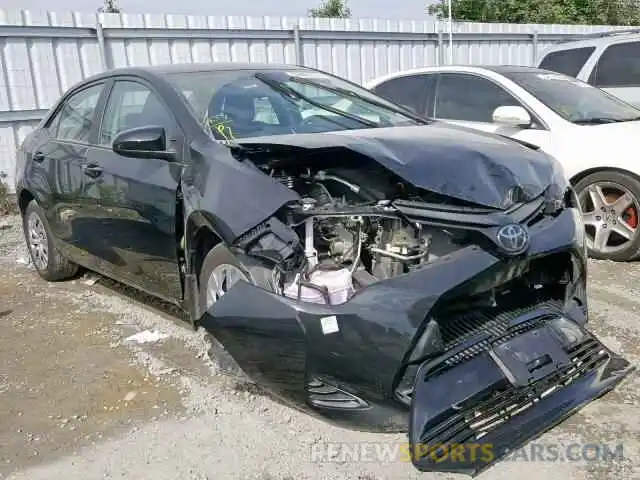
x=44 y=53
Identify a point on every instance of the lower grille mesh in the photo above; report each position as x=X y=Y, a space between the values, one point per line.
x=475 y=421
x=464 y=326
x=457 y=330
x=460 y=327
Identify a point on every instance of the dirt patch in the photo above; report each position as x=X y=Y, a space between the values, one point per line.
x=67 y=381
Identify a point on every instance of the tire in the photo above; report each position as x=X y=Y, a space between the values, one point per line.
x=55 y=267
x=613 y=179
x=217 y=256
x=253 y=272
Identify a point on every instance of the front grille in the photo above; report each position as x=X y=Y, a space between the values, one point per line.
x=472 y=332
x=529 y=295
x=494 y=329
x=458 y=328
x=485 y=414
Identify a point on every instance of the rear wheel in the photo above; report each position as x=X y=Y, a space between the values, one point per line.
x=47 y=259
x=610 y=203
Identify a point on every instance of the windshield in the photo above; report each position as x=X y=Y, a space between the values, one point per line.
x=246 y=103
x=574 y=100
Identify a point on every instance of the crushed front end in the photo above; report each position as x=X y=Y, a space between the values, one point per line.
x=483 y=344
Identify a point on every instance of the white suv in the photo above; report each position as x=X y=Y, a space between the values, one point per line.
x=608 y=60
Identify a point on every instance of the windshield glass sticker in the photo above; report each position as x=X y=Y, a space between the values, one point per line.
x=221 y=124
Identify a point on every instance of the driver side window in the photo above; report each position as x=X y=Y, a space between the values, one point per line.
x=132 y=105
x=469 y=98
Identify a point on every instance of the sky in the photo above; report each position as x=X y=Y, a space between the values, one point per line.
x=387 y=9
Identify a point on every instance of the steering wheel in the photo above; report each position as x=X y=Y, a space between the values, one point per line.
x=317 y=123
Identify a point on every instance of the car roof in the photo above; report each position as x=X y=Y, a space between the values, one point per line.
x=595 y=40
x=505 y=70
x=171 y=69
x=493 y=68
x=216 y=67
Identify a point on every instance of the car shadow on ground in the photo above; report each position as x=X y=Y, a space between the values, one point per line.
x=155 y=303
x=226 y=365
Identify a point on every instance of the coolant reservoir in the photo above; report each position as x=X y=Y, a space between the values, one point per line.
x=338 y=283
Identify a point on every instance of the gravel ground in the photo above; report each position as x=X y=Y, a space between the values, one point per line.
x=80 y=400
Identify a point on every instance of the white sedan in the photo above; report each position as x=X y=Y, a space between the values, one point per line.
x=594 y=135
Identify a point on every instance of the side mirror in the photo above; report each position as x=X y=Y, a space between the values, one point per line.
x=143 y=142
x=511 y=116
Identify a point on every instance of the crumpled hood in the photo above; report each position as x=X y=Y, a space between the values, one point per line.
x=449 y=160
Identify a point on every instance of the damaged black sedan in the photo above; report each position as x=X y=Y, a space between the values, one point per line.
x=372 y=267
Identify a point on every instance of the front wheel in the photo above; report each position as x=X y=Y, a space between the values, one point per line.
x=610 y=203
x=220 y=271
x=47 y=259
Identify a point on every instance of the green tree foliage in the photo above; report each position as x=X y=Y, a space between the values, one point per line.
x=571 y=12
x=331 y=9
x=109 y=6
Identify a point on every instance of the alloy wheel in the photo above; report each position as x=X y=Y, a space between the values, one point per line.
x=610 y=213
x=221 y=279
x=38 y=241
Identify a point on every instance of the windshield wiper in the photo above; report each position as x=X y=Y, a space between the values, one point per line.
x=282 y=88
x=349 y=93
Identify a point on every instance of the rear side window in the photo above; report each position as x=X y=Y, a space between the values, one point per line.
x=568 y=62
x=618 y=66
x=407 y=91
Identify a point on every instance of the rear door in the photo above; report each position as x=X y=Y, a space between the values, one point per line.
x=617 y=71
x=469 y=100
x=57 y=162
x=134 y=235
x=410 y=91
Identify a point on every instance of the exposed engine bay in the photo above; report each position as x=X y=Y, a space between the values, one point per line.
x=344 y=249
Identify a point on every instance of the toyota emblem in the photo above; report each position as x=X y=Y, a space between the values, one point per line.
x=513 y=238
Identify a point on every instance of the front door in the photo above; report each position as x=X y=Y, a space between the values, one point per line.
x=135 y=231
x=470 y=100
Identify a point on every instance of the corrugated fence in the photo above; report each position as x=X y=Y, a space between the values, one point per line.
x=43 y=54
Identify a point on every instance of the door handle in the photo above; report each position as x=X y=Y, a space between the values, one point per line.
x=38 y=157
x=92 y=170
